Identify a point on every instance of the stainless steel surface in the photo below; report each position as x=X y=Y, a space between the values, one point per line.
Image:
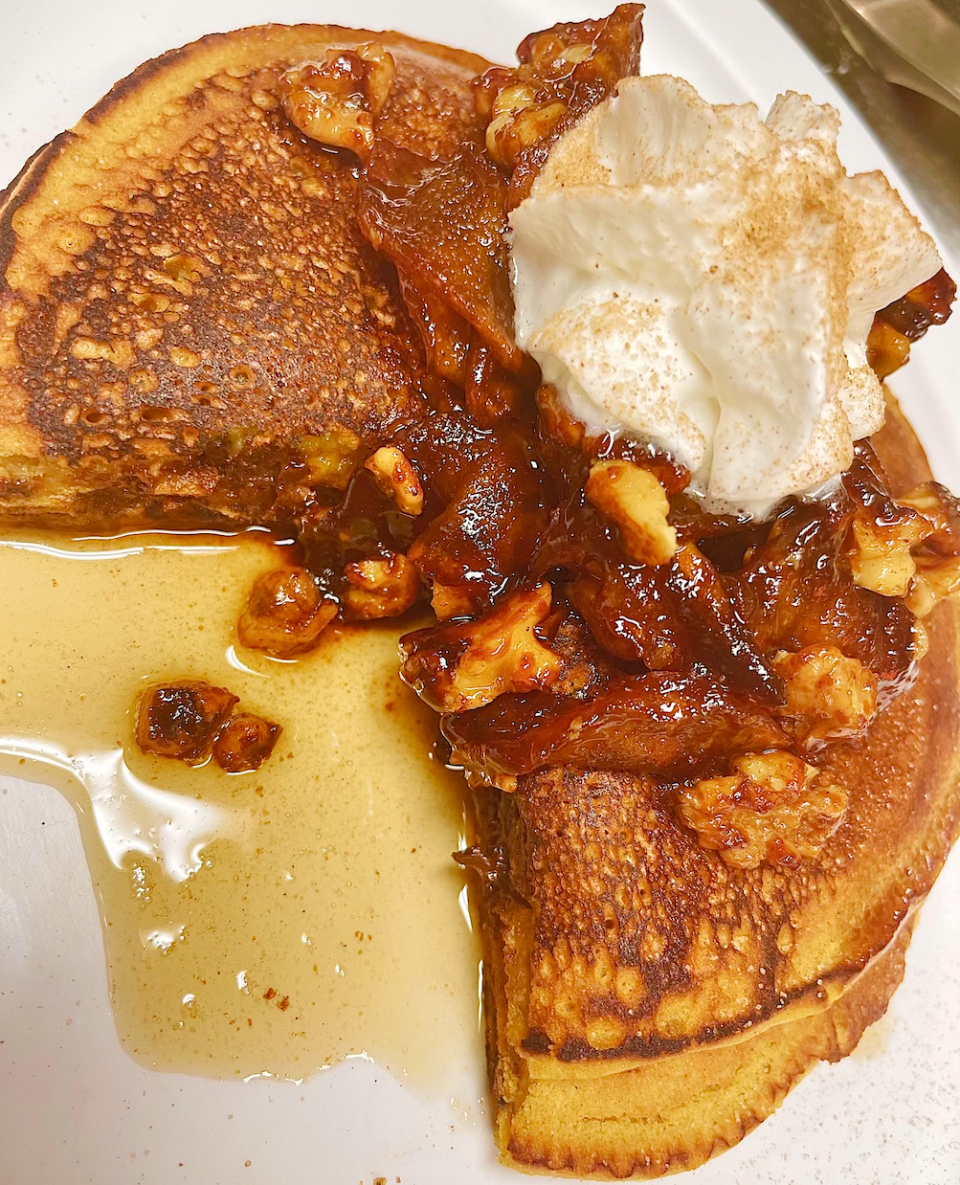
x=922 y=135
x=915 y=43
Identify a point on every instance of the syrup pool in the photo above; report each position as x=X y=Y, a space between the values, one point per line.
x=271 y=922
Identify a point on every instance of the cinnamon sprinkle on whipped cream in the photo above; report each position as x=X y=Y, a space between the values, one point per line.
x=697 y=276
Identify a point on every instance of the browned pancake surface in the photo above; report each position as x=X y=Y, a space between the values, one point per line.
x=187 y=303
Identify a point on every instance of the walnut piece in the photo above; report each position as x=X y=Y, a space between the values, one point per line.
x=181 y=719
x=913 y=553
x=450 y=600
x=773 y=809
x=939 y=507
x=518 y=121
x=880 y=558
x=245 y=742
x=937 y=577
x=336 y=100
x=636 y=502
x=190 y=719
x=458 y=667
x=285 y=614
x=562 y=72
x=381 y=588
x=397 y=478
x=833 y=695
x=938 y=560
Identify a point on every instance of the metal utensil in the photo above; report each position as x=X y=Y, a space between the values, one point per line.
x=914 y=43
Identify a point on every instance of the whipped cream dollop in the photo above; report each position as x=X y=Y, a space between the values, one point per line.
x=706 y=279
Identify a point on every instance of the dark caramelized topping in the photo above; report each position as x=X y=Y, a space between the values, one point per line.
x=285 y=614
x=906 y=320
x=927 y=304
x=189 y=720
x=591 y=612
x=443 y=224
x=658 y=722
x=797 y=589
x=492 y=868
x=245 y=742
x=182 y=719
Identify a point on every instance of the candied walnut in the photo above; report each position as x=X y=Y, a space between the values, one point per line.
x=458 y=667
x=182 y=719
x=336 y=100
x=773 y=809
x=563 y=71
x=285 y=614
x=913 y=552
x=937 y=558
x=382 y=587
x=632 y=498
x=941 y=509
x=937 y=577
x=880 y=557
x=245 y=742
x=518 y=121
x=833 y=695
x=450 y=600
x=397 y=478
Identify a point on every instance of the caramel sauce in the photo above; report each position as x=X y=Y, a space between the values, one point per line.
x=270 y=922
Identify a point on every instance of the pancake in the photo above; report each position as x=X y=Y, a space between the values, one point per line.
x=192 y=327
x=648 y=1004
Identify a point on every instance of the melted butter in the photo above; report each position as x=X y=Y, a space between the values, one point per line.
x=271 y=922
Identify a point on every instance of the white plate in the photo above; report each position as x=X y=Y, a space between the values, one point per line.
x=73 y=1107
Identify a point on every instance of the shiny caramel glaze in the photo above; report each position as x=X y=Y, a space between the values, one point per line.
x=613 y=937
x=677 y=665
x=192 y=326
x=906 y=320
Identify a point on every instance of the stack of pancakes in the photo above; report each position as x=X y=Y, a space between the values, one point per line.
x=193 y=330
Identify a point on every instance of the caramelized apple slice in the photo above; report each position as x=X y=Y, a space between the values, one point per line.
x=443 y=224
x=657 y=723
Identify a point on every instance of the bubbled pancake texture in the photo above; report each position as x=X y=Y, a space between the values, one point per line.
x=213 y=279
